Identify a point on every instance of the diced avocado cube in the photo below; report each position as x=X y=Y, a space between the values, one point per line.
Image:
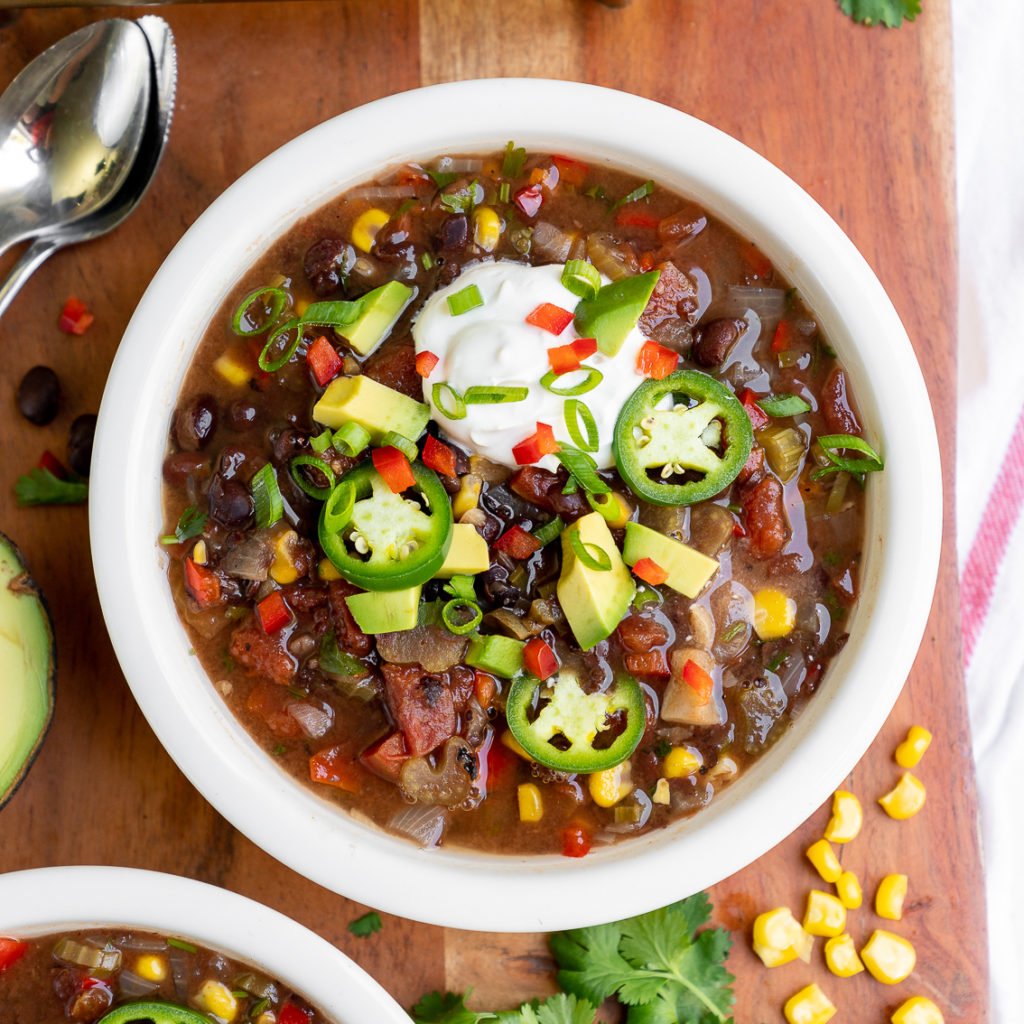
x=499 y=655
x=374 y=406
x=468 y=554
x=688 y=570
x=381 y=309
x=595 y=601
x=386 y=611
x=613 y=312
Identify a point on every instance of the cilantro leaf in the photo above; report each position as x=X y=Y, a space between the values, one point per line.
x=191 y=523
x=365 y=926
x=442 y=179
x=41 y=487
x=881 y=12
x=640 y=192
x=592 y=966
x=446 y=1008
x=461 y=200
x=558 y=1009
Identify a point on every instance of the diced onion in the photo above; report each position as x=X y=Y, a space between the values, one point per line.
x=459 y=165
x=423 y=824
x=134 y=986
x=314 y=721
x=375 y=192
x=767 y=303
x=550 y=242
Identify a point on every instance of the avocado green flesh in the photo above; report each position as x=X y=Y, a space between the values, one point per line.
x=614 y=311
x=381 y=309
x=388 y=611
x=27 y=666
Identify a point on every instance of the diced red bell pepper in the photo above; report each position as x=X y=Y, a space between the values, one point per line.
x=517 y=543
x=738 y=529
x=438 y=456
x=584 y=348
x=425 y=363
x=394 y=468
x=485 y=689
x=202 y=584
x=536 y=446
x=757 y=263
x=576 y=841
x=538 y=659
x=783 y=337
x=550 y=318
x=273 y=612
x=11 y=951
x=698 y=680
x=656 y=361
x=647 y=261
x=650 y=572
x=547 y=176
x=386 y=757
x=500 y=763
x=330 y=768
x=628 y=218
x=648 y=663
x=75 y=317
x=572 y=172
x=563 y=359
x=758 y=417
x=323 y=359
x=52 y=464
x=529 y=200
x=292 y=1014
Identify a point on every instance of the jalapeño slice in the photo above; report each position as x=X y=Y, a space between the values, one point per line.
x=380 y=540
x=566 y=729
x=688 y=452
x=154 y=1013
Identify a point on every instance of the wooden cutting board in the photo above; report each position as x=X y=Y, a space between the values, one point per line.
x=860 y=117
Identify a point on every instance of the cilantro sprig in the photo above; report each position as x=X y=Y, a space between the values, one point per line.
x=41 y=487
x=365 y=926
x=881 y=12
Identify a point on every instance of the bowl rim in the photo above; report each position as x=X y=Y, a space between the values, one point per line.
x=45 y=901
x=903 y=530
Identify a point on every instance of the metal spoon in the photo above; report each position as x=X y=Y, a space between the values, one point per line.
x=70 y=128
x=164 y=73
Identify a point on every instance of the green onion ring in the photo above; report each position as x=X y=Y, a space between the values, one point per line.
x=268 y=365
x=280 y=300
x=550 y=530
x=483 y=394
x=395 y=440
x=831 y=443
x=607 y=505
x=578 y=418
x=590 y=381
x=268 y=505
x=591 y=555
x=465 y=300
x=456 y=604
x=321 y=442
x=338 y=509
x=457 y=410
x=351 y=439
x=582 y=468
x=318 y=493
x=581 y=278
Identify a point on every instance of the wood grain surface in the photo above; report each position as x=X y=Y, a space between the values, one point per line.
x=861 y=118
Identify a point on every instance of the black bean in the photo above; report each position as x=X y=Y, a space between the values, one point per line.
x=454 y=232
x=230 y=502
x=195 y=423
x=714 y=341
x=179 y=466
x=39 y=395
x=327 y=264
x=241 y=415
x=288 y=443
x=83 y=428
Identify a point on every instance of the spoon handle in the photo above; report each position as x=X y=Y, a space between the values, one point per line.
x=28 y=263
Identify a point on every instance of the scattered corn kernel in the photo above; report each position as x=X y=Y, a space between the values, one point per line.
x=825 y=914
x=301 y=305
x=486 y=228
x=662 y=793
x=892 y=891
x=912 y=749
x=266 y=1017
x=847 y=818
x=531 y=803
x=680 y=762
x=607 y=788
x=778 y=938
x=199 y=552
x=809 y=1006
x=774 y=614
x=217 y=999
x=232 y=369
x=283 y=568
x=513 y=744
x=151 y=967
x=772 y=957
x=890 y=958
x=326 y=570
x=918 y=1010
x=825 y=862
x=841 y=956
x=849 y=891
x=367 y=224
x=906 y=799
x=468 y=495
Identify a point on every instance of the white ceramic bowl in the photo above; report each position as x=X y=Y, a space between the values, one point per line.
x=50 y=900
x=465 y=889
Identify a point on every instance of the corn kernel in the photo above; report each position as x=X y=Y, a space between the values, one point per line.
x=467 y=496
x=365 y=229
x=301 y=305
x=778 y=938
x=772 y=957
x=849 y=891
x=890 y=958
x=326 y=570
x=825 y=862
x=513 y=744
x=486 y=228
x=151 y=967
x=825 y=914
x=266 y=1017
x=680 y=762
x=283 y=568
x=809 y=1006
x=232 y=369
x=906 y=799
x=217 y=999
x=774 y=614
x=847 y=818
x=199 y=554
x=841 y=956
x=531 y=803
x=912 y=749
x=607 y=788
x=892 y=891
x=662 y=793
x=918 y=1010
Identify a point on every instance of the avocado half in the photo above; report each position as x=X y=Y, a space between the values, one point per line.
x=28 y=669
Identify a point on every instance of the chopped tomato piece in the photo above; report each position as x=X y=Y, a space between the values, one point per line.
x=656 y=361
x=538 y=659
x=386 y=757
x=291 y=1014
x=411 y=176
x=550 y=318
x=758 y=417
x=628 y=218
x=517 y=543
x=50 y=462
x=324 y=361
x=11 y=951
x=783 y=337
x=584 y=348
x=202 y=584
x=650 y=572
x=438 y=456
x=572 y=172
x=75 y=317
x=500 y=763
x=330 y=768
x=425 y=363
x=485 y=689
x=647 y=261
x=563 y=359
x=536 y=446
x=394 y=467
x=698 y=680
x=576 y=841
x=273 y=612
x=529 y=200
x=648 y=663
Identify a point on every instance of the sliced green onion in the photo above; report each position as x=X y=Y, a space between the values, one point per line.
x=571 y=487
x=591 y=379
x=317 y=493
x=351 y=439
x=833 y=443
x=259 y=1007
x=338 y=507
x=395 y=440
x=640 y=192
x=181 y=944
x=579 y=418
x=778 y=406
x=837 y=496
x=581 y=278
x=733 y=631
x=512 y=164
x=321 y=442
x=582 y=468
x=457 y=607
x=465 y=300
x=427 y=260
x=266 y=496
x=266 y=362
x=606 y=504
x=279 y=300
x=504 y=192
x=645 y=595
x=484 y=394
x=336 y=662
x=550 y=531
x=591 y=555
x=448 y=401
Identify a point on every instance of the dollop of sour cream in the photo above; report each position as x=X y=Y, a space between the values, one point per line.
x=494 y=345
